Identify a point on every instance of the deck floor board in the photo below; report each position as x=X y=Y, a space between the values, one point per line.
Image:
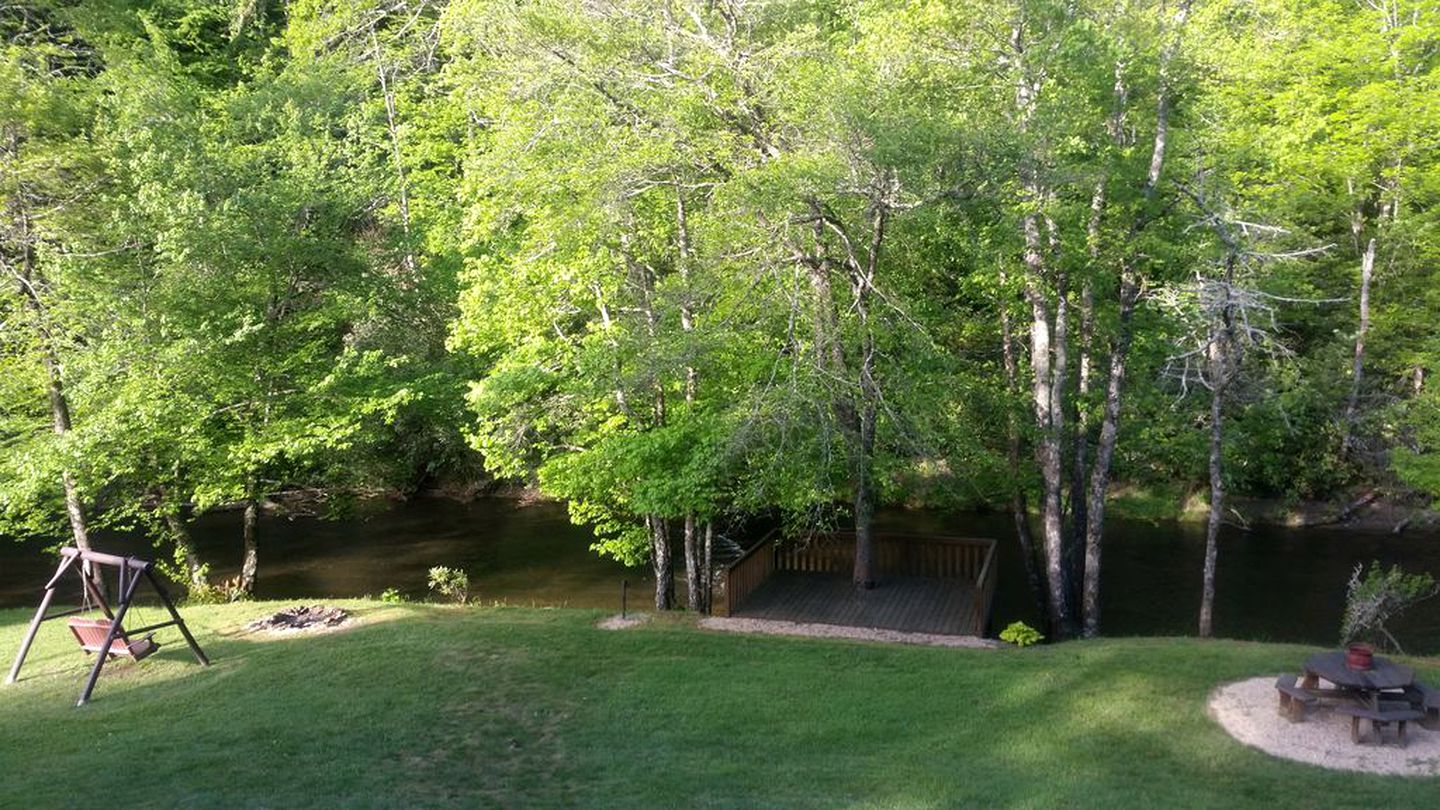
x=911 y=604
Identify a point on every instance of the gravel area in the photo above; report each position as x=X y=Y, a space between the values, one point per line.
x=779 y=628
x=1247 y=710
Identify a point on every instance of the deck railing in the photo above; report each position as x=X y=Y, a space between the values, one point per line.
x=970 y=559
x=746 y=574
x=985 y=593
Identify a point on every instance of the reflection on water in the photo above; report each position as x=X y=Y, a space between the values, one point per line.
x=524 y=555
x=1273 y=584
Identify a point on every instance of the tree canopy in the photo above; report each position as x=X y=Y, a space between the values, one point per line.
x=678 y=264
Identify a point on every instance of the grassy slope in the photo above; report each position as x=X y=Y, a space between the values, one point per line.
x=427 y=706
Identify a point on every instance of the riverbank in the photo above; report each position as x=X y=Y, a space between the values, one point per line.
x=427 y=706
x=1285 y=585
x=1364 y=510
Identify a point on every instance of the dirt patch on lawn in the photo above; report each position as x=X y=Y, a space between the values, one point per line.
x=306 y=619
x=1248 y=711
x=625 y=622
x=779 y=628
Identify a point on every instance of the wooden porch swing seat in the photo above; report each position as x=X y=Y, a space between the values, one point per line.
x=92 y=633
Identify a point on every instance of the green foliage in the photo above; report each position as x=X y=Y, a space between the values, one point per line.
x=1021 y=634
x=450 y=583
x=235 y=309
x=1417 y=460
x=600 y=249
x=218 y=593
x=1377 y=595
x=394 y=596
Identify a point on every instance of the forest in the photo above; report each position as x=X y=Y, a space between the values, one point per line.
x=680 y=263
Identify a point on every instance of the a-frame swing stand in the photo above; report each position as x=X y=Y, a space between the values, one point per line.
x=116 y=640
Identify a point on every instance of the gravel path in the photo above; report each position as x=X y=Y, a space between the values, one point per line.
x=1247 y=710
x=779 y=628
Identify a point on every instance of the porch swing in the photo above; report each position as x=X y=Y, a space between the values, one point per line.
x=106 y=638
x=92 y=633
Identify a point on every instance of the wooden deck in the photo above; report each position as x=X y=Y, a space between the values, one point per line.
x=927 y=583
x=910 y=604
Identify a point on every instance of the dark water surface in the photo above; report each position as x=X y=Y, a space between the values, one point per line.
x=1273 y=584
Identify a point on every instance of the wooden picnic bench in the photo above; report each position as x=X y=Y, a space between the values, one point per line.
x=1294 y=700
x=1398 y=713
x=1427 y=700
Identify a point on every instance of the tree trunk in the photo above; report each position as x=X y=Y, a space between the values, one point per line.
x=864 y=573
x=693 y=579
x=249 y=561
x=657 y=526
x=1130 y=285
x=1080 y=460
x=1217 y=507
x=692 y=566
x=1047 y=443
x=1042 y=357
x=1352 y=405
x=60 y=423
x=857 y=423
x=1071 y=558
x=402 y=184
x=1019 y=510
x=185 y=551
x=659 y=530
x=709 y=568
x=1105 y=453
x=55 y=387
x=862 y=283
x=1223 y=366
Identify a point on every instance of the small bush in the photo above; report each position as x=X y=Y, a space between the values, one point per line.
x=218 y=593
x=450 y=583
x=1021 y=634
x=1376 y=596
x=393 y=596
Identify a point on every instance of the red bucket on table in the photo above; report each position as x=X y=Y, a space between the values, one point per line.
x=1360 y=656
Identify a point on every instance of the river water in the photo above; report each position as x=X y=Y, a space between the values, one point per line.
x=1273 y=584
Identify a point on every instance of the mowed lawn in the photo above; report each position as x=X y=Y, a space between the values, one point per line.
x=441 y=706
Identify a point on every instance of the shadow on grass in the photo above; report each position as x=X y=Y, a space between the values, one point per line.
x=387 y=712
x=431 y=706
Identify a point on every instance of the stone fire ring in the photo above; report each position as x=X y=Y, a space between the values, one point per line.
x=301 y=619
x=1247 y=710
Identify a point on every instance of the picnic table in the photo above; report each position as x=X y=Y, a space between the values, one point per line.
x=1382 y=695
x=1359 y=685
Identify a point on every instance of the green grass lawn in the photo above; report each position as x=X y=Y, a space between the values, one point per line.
x=433 y=706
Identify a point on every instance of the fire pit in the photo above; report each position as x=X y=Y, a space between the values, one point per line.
x=301 y=618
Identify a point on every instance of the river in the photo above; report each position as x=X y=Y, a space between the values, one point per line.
x=1273 y=584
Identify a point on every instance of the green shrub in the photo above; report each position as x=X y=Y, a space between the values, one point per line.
x=1376 y=596
x=217 y=593
x=1021 y=634
x=450 y=583
x=393 y=596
